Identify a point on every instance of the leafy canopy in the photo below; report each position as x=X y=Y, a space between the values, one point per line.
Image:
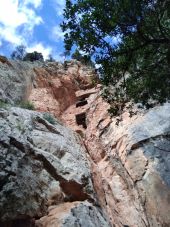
x=84 y=59
x=34 y=56
x=130 y=39
x=20 y=54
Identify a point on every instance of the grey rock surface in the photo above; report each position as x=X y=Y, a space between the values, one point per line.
x=18 y=78
x=16 y=81
x=86 y=215
x=40 y=165
x=45 y=175
x=77 y=214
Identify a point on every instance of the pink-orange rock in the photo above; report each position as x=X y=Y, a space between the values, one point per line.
x=122 y=168
x=129 y=161
x=55 y=86
x=73 y=214
x=135 y=169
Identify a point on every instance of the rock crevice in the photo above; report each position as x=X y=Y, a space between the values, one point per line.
x=97 y=173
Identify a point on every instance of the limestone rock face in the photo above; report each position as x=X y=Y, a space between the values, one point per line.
x=104 y=174
x=73 y=214
x=16 y=80
x=41 y=165
x=56 y=84
x=50 y=86
x=132 y=169
x=130 y=161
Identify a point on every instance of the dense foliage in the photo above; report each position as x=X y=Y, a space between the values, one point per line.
x=130 y=39
x=84 y=58
x=20 y=54
x=34 y=56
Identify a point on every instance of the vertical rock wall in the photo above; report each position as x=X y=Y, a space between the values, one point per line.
x=106 y=175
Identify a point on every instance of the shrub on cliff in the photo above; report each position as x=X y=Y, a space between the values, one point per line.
x=34 y=56
x=27 y=105
x=129 y=39
x=48 y=117
x=4 y=105
x=19 y=53
x=84 y=59
x=50 y=58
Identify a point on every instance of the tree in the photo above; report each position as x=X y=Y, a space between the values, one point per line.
x=19 y=53
x=77 y=55
x=130 y=39
x=50 y=58
x=34 y=56
x=83 y=58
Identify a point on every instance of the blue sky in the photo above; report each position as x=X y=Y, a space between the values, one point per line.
x=33 y=23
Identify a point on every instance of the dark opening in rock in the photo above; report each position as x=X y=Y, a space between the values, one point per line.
x=81 y=119
x=82 y=102
x=19 y=223
x=85 y=96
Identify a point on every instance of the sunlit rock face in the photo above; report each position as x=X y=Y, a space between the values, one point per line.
x=42 y=166
x=73 y=214
x=51 y=86
x=131 y=164
x=85 y=169
x=16 y=79
x=56 y=84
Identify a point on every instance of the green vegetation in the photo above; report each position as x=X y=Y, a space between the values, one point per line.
x=3 y=104
x=20 y=54
x=34 y=56
x=48 y=117
x=50 y=58
x=130 y=39
x=27 y=105
x=83 y=58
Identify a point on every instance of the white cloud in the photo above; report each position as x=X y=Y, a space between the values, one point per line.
x=9 y=34
x=59 y=5
x=13 y=15
x=57 y=33
x=35 y=3
x=46 y=51
x=39 y=47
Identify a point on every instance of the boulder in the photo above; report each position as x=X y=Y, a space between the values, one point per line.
x=74 y=214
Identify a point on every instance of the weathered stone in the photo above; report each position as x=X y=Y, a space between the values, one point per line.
x=16 y=80
x=56 y=86
x=73 y=214
x=4 y=60
x=130 y=161
x=135 y=169
x=44 y=169
x=41 y=165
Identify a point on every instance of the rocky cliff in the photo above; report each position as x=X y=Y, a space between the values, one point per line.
x=81 y=169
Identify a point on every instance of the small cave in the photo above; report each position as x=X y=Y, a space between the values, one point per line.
x=81 y=120
x=81 y=102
